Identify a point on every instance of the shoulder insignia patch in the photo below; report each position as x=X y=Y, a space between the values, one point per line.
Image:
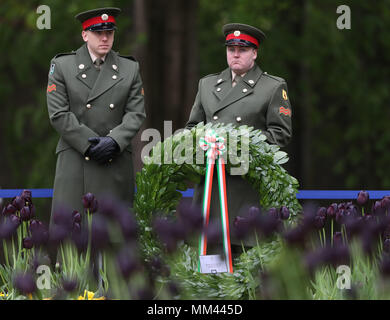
x=51 y=87
x=52 y=68
x=284 y=94
x=285 y=111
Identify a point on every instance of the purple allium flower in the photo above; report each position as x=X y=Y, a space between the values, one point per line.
x=57 y=234
x=241 y=227
x=26 y=196
x=190 y=216
x=319 y=222
x=94 y=206
x=34 y=224
x=159 y=267
x=25 y=283
x=18 y=202
x=145 y=294
x=377 y=209
x=385 y=266
x=332 y=210
x=76 y=216
x=9 y=227
x=214 y=233
x=80 y=238
x=173 y=289
x=321 y=212
x=268 y=224
x=39 y=233
x=353 y=225
x=63 y=217
x=274 y=213
x=87 y=200
x=296 y=236
x=127 y=263
x=386 y=245
x=284 y=213
x=76 y=227
x=25 y=213
x=165 y=231
x=69 y=284
x=128 y=225
x=337 y=238
x=100 y=235
x=385 y=203
x=9 y=209
x=28 y=243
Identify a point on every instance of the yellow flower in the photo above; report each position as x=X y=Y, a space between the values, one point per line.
x=3 y=294
x=88 y=295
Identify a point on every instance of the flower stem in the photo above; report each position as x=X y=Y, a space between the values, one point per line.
x=5 y=252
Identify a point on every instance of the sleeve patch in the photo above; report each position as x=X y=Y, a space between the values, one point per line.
x=285 y=111
x=51 y=88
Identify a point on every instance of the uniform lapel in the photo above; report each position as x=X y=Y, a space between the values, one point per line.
x=86 y=73
x=223 y=84
x=242 y=89
x=108 y=76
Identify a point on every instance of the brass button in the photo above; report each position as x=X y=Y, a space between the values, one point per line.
x=245 y=90
x=110 y=130
x=87 y=158
x=215 y=117
x=219 y=89
x=110 y=160
x=251 y=81
x=219 y=81
x=114 y=77
x=238 y=119
x=83 y=76
x=81 y=66
x=88 y=106
x=114 y=66
x=111 y=106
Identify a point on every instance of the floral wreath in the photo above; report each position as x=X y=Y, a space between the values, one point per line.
x=158 y=193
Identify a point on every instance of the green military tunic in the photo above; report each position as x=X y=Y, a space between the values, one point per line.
x=258 y=100
x=85 y=102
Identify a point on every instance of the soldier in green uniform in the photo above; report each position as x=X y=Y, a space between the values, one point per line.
x=242 y=94
x=95 y=102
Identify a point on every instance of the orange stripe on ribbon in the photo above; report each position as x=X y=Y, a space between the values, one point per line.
x=285 y=111
x=51 y=88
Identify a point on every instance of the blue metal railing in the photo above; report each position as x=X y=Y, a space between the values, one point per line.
x=301 y=195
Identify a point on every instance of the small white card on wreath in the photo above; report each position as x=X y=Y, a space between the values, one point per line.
x=213 y=263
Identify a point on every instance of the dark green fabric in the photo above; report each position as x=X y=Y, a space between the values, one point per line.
x=85 y=103
x=255 y=101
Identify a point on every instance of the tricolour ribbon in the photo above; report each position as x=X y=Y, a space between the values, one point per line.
x=214 y=147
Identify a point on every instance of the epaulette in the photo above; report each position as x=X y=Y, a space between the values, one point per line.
x=274 y=77
x=64 y=54
x=211 y=75
x=128 y=57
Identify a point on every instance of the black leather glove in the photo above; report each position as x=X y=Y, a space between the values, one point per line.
x=103 y=149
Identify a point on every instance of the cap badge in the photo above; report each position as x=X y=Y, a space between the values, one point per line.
x=104 y=16
x=237 y=33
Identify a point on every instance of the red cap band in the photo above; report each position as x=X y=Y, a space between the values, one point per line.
x=243 y=36
x=96 y=20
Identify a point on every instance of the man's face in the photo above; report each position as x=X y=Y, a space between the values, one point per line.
x=240 y=59
x=99 y=42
